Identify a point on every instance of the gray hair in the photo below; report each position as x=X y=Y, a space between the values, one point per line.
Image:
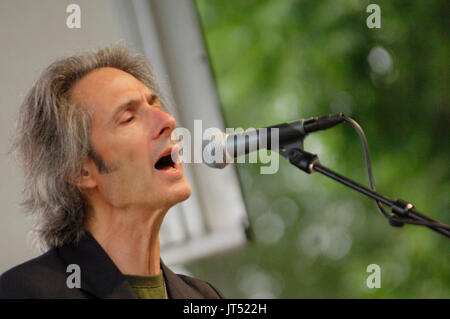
x=53 y=142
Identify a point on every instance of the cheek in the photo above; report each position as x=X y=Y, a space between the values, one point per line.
x=131 y=148
x=135 y=166
x=130 y=152
x=127 y=184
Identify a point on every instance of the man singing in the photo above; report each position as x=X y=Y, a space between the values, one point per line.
x=100 y=176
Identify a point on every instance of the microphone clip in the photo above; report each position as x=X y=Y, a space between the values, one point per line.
x=295 y=154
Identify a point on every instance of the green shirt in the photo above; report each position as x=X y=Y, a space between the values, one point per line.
x=148 y=287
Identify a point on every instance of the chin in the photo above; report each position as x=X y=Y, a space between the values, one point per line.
x=185 y=193
x=178 y=193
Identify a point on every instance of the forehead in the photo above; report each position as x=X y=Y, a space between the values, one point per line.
x=105 y=87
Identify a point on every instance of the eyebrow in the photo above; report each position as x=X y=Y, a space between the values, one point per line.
x=124 y=106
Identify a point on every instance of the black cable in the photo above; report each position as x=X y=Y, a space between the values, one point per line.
x=363 y=138
x=391 y=217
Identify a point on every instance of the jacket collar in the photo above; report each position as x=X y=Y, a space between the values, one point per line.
x=99 y=274
x=101 y=277
x=177 y=288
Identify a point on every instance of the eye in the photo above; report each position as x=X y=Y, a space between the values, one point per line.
x=131 y=118
x=152 y=99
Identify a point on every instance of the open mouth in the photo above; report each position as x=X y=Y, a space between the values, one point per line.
x=165 y=162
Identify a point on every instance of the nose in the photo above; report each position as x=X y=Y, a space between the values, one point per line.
x=166 y=123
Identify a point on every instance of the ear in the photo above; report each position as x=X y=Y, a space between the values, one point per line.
x=87 y=178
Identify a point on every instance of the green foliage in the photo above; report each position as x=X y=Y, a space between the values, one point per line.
x=281 y=60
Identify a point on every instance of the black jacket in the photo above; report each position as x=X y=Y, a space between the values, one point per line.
x=46 y=276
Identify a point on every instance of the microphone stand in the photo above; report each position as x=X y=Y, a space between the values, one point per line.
x=403 y=211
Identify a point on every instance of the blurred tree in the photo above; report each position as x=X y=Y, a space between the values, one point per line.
x=276 y=61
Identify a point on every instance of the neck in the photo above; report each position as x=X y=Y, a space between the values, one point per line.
x=129 y=236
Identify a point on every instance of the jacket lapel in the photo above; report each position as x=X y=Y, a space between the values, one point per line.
x=101 y=277
x=99 y=274
x=176 y=287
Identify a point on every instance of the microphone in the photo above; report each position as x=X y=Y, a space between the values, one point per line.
x=220 y=149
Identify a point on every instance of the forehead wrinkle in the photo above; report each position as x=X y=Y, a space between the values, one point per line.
x=110 y=79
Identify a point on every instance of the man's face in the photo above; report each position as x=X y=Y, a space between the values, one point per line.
x=131 y=133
